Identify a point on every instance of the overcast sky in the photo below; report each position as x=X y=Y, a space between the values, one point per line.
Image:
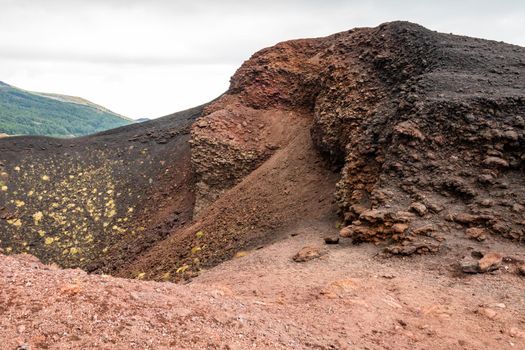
x=148 y=58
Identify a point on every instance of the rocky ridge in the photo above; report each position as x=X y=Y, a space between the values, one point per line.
x=427 y=129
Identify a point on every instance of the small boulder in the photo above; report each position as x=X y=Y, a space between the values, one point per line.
x=424 y=230
x=409 y=248
x=490 y=262
x=476 y=233
x=466 y=219
x=419 y=208
x=409 y=130
x=487 y=263
x=353 y=231
x=495 y=162
x=403 y=216
x=346 y=232
x=399 y=228
x=307 y=253
x=501 y=227
x=372 y=216
x=469 y=265
x=202 y=123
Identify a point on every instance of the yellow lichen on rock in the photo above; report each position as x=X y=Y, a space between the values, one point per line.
x=78 y=203
x=15 y=222
x=182 y=269
x=37 y=217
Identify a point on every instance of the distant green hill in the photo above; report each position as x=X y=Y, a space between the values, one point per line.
x=32 y=113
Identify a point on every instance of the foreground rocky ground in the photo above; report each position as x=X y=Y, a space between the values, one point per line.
x=348 y=298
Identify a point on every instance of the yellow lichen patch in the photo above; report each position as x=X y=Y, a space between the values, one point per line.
x=195 y=250
x=15 y=222
x=37 y=217
x=199 y=234
x=118 y=229
x=141 y=275
x=79 y=210
x=183 y=268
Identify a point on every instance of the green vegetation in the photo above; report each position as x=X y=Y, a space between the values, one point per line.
x=27 y=113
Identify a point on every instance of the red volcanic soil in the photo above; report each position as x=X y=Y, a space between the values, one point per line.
x=345 y=299
x=398 y=136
